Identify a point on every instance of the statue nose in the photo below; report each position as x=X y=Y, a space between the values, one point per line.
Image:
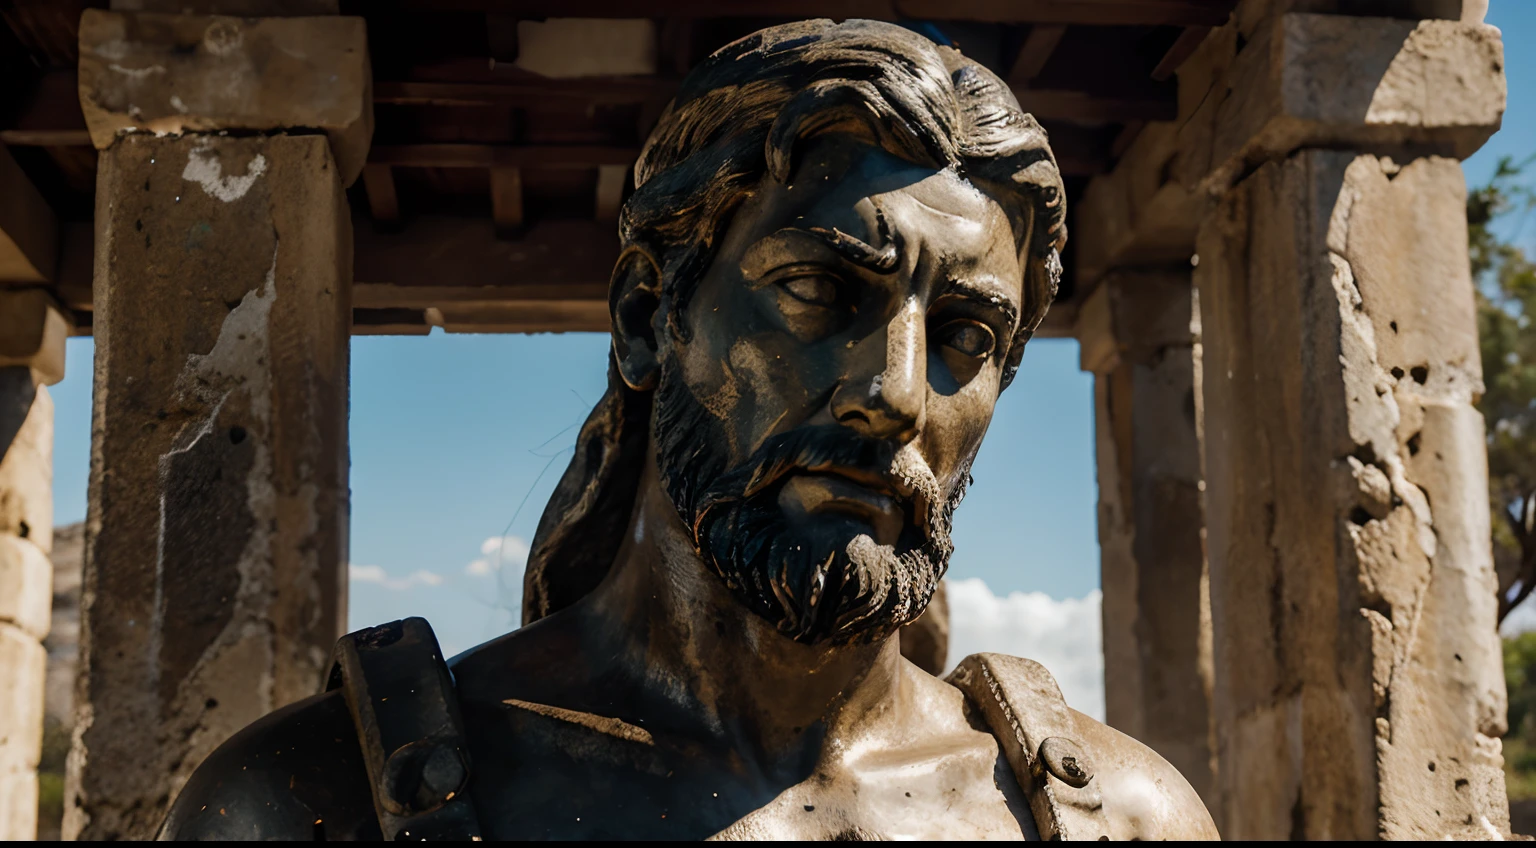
x=884 y=394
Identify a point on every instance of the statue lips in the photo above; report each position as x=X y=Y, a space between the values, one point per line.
x=865 y=495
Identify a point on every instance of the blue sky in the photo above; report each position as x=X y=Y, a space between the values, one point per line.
x=457 y=439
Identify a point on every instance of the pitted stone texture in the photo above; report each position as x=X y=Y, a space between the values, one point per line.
x=1140 y=338
x=1359 y=687
x=216 y=544
x=188 y=73
x=1306 y=80
x=23 y=661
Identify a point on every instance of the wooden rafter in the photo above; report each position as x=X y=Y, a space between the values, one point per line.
x=1099 y=12
x=1035 y=52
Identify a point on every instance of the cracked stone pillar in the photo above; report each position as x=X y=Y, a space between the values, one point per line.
x=1358 y=683
x=32 y=333
x=1360 y=686
x=1139 y=333
x=216 y=537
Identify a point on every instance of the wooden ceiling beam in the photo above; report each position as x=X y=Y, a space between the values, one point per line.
x=29 y=231
x=1035 y=52
x=1183 y=47
x=501 y=155
x=1099 y=12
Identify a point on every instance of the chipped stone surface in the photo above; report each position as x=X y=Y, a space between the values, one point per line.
x=170 y=74
x=1359 y=688
x=216 y=538
x=1139 y=337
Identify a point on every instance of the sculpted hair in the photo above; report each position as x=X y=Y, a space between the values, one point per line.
x=740 y=116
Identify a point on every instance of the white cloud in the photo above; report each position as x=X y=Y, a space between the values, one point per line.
x=500 y=553
x=1064 y=636
x=377 y=574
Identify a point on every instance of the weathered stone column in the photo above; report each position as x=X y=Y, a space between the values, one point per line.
x=1358 y=681
x=32 y=333
x=216 y=537
x=1140 y=337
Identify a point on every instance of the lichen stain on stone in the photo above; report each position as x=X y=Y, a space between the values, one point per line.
x=205 y=169
x=233 y=385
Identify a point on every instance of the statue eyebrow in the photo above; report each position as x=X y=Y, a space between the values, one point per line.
x=882 y=260
x=970 y=290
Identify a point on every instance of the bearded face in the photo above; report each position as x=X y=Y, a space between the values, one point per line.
x=822 y=393
x=819 y=575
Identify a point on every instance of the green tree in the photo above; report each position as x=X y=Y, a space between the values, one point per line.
x=1506 y=302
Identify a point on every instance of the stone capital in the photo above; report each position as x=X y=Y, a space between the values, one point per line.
x=171 y=74
x=1334 y=81
x=1131 y=315
x=32 y=332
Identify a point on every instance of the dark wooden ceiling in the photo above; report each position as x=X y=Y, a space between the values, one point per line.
x=490 y=199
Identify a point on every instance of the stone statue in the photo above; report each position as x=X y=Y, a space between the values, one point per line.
x=841 y=238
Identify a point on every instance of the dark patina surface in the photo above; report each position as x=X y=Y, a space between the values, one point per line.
x=841 y=239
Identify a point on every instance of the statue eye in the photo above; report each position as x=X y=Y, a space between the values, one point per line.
x=968 y=338
x=815 y=289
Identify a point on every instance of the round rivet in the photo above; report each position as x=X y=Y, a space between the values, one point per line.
x=1066 y=761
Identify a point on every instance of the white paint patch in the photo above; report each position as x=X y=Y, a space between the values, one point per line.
x=137 y=73
x=205 y=169
x=876 y=385
x=178 y=105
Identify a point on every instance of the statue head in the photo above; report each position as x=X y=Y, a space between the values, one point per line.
x=841 y=238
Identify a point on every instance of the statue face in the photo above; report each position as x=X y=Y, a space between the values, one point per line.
x=846 y=351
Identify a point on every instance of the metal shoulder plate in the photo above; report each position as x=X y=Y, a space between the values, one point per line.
x=401 y=697
x=1026 y=712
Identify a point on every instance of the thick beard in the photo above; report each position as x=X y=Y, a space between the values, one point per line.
x=812 y=587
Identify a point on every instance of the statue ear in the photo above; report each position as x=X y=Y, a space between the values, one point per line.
x=634 y=296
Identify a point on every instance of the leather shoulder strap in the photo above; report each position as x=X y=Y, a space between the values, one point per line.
x=1026 y=712
x=401 y=697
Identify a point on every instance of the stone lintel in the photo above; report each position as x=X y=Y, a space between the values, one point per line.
x=32 y=332
x=1134 y=314
x=215 y=567
x=1383 y=85
x=29 y=231
x=171 y=74
x=1358 y=687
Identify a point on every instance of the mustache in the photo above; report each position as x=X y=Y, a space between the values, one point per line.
x=820 y=448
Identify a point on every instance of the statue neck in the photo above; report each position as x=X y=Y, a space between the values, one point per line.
x=702 y=660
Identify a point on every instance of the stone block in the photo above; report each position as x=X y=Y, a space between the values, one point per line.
x=18 y=805
x=189 y=73
x=1351 y=581
x=1330 y=81
x=1139 y=213
x=23 y=664
x=26 y=466
x=32 y=332
x=214 y=581
x=26 y=586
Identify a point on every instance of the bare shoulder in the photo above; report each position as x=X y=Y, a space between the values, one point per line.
x=1144 y=796
x=296 y=773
